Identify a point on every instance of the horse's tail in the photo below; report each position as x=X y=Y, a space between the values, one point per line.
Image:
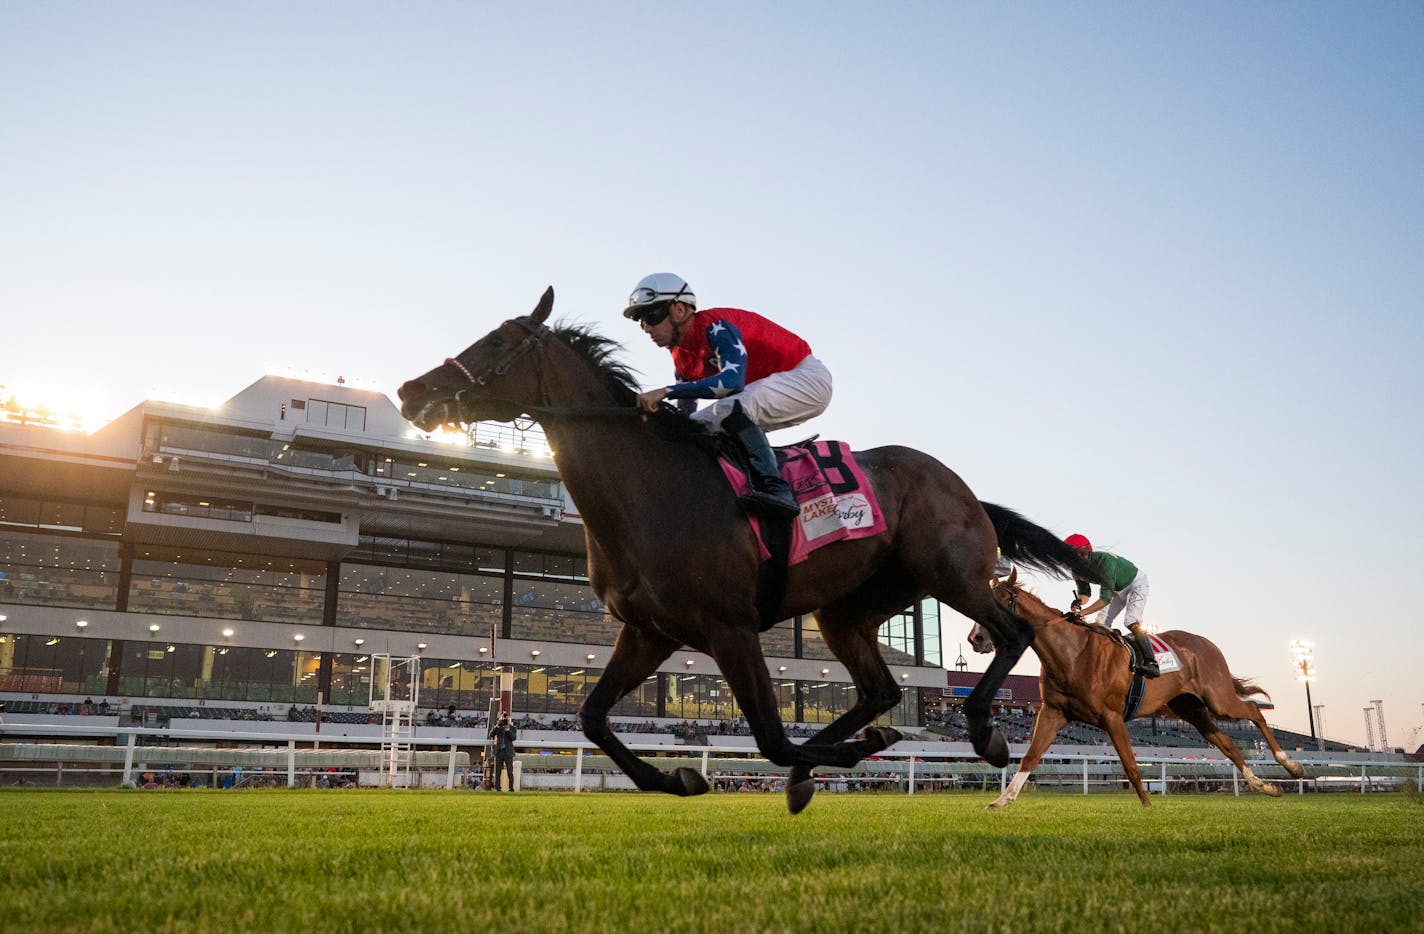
x=1245 y=689
x=1033 y=546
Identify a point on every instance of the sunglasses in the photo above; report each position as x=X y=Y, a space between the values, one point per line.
x=652 y=314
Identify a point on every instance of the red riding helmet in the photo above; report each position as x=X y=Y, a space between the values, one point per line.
x=1079 y=542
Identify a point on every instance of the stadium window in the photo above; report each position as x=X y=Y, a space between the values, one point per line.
x=336 y=415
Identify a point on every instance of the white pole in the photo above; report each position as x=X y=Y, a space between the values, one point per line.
x=704 y=762
x=1164 y=779
x=1235 y=780
x=1085 y=775
x=291 y=763
x=578 y=769
x=128 y=758
x=1362 y=778
x=912 y=775
x=450 y=774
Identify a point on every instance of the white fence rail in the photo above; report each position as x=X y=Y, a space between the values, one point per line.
x=445 y=762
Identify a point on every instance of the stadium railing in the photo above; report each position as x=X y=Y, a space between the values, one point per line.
x=31 y=752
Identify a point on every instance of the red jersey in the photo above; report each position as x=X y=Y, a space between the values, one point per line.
x=769 y=347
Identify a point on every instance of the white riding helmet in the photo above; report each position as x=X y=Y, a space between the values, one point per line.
x=656 y=289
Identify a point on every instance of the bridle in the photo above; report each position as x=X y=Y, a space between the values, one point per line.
x=501 y=366
x=534 y=339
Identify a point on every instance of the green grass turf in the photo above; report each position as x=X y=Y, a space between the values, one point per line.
x=431 y=861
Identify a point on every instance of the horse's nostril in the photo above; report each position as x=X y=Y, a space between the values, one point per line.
x=410 y=389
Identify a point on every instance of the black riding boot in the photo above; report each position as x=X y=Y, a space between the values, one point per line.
x=1146 y=658
x=770 y=495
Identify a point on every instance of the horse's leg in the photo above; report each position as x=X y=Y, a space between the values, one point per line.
x=1241 y=709
x=1011 y=636
x=857 y=647
x=636 y=655
x=1191 y=709
x=1117 y=732
x=1045 y=728
x=738 y=655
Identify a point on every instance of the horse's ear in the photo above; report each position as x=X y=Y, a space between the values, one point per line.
x=1013 y=577
x=546 y=305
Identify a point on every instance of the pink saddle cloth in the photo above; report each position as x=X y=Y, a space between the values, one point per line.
x=837 y=502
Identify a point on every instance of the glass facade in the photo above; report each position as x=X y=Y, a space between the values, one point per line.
x=69 y=555
x=37 y=664
x=226 y=586
x=58 y=570
x=416 y=600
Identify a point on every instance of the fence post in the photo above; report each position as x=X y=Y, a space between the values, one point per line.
x=128 y=757
x=912 y=775
x=704 y=763
x=291 y=763
x=1164 y=778
x=1235 y=780
x=1085 y=775
x=1362 y=778
x=450 y=774
x=578 y=769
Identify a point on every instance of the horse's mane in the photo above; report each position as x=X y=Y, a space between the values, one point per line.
x=621 y=381
x=599 y=353
x=1025 y=591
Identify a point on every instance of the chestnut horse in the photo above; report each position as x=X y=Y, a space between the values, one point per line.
x=674 y=559
x=1086 y=677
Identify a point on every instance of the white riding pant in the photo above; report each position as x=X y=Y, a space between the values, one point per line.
x=780 y=400
x=1132 y=598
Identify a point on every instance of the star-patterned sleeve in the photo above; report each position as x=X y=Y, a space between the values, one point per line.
x=730 y=358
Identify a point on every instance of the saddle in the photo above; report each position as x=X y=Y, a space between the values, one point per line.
x=1135 y=660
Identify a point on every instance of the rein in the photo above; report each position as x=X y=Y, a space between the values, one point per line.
x=535 y=340
x=501 y=367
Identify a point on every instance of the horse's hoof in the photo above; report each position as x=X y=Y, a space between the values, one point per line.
x=1273 y=790
x=884 y=736
x=798 y=795
x=995 y=751
x=688 y=782
x=1291 y=766
x=996 y=804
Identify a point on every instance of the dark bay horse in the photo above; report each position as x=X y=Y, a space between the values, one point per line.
x=673 y=558
x=1086 y=677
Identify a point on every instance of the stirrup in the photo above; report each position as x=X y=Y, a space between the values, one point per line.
x=769 y=505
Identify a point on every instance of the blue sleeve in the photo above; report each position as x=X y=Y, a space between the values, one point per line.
x=725 y=339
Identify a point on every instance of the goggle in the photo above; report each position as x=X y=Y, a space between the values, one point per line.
x=649 y=305
x=651 y=314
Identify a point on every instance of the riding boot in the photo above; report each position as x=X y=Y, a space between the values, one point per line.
x=770 y=495
x=1146 y=657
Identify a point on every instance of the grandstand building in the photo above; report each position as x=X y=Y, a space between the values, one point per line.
x=256 y=554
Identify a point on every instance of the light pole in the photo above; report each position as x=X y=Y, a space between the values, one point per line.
x=1379 y=715
x=1303 y=657
x=1320 y=725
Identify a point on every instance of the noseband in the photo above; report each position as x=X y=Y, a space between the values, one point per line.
x=530 y=343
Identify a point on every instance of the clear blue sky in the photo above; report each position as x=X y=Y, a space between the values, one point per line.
x=1151 y=272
